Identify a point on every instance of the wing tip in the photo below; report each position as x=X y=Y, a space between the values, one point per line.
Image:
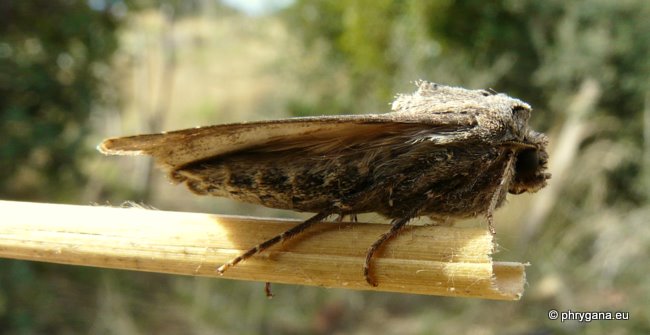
x=117 y=146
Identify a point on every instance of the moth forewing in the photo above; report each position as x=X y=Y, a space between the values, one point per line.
x=442 y=152
x=177 y=148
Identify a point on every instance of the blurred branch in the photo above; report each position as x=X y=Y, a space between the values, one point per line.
x=156 y=119
x=646 y=145
x=423 y=259
x=565 y=151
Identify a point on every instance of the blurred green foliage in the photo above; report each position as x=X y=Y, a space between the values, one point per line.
x=550 y=46
x=53 y=55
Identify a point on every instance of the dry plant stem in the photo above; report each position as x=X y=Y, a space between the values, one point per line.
x=423 y=259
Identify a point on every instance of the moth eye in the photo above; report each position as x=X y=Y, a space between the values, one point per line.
x=528 y=161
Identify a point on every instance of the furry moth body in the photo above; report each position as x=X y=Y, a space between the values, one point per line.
x=443 y=152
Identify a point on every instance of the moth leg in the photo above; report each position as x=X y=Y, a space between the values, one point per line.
x=267 y=290
x=397 y=225
x=274 y=240
x=352 y=217
x=505 y=178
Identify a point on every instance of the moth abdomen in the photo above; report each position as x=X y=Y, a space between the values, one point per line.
x=272 y=183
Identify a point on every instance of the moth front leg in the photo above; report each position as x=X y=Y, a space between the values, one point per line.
x=506 y=177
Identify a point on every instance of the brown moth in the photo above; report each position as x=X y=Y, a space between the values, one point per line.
x=443 y=152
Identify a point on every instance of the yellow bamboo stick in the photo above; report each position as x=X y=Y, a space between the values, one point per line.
x=422 y=259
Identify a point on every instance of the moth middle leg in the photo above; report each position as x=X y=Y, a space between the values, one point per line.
x=397 y=225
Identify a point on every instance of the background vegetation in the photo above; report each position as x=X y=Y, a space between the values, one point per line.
x=73 y=72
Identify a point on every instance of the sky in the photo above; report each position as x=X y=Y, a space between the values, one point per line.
x=257 y=7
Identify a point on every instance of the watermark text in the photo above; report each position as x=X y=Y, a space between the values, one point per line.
x=586 y=316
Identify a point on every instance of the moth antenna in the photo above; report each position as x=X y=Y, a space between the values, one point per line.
x=505 y=177
x=397 y=225
x=274 y=240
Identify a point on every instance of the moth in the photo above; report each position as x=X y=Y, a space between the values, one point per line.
x=443 y=152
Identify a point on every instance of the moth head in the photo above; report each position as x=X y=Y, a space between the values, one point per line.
x=516 y=122
x=531 y=163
